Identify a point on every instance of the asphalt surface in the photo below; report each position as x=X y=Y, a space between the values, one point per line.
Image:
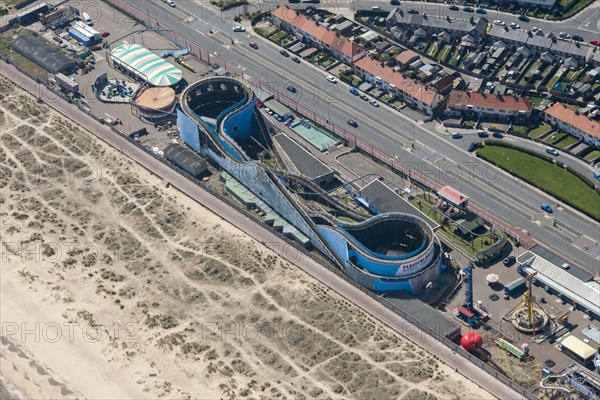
x=274 y=243
x=437 y=156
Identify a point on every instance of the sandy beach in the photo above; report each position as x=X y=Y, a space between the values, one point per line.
x=113 y=286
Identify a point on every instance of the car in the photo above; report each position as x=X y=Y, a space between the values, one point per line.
x=395 y=2
x=353 y=123
x=514 y=25
x=354 y=91
x=453 y=7
x=523 y=18
x=508 y=261
x=364 y=97
x=468 y=9
x=284 y=53
x=498 y=135
x=331 y=78
x=253 y=45
x=375 y=8
x=296 y=60
x=473 y=146
x=597 y=175
x=374 y=103
x=457 y=135
x=564 y=35
x=551 y=150
x=105 y=34
x=595 y=42
x=259 y=104
x=481 y=11
x=499 y=22
x=535 y=29
x=239 y=29
x=546 y=208
x=506 y=295
x=481 y=133
x=577 y=38
x=413 y=11
x=292 y=88
x=170 y=2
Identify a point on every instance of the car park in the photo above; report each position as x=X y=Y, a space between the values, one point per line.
x=296 y=60
x=473 y=146
x=498 y=135
x=546 y=208
x=457 y=135
x=523 y=18
x=239 y=29
x=253 y=45
x=284 y=53
x=374 y=103
x=331 y=78
x=292 y=88
x=353 y=123
x=508 y=261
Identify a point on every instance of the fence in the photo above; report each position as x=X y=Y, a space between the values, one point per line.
x=351 y=139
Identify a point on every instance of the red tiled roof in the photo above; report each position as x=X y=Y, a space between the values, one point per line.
x=568 y=116
x=347 y=47
x=406 y=56
x=406 y=85
x=288 y=15
x=478 y=99
x=453 y=195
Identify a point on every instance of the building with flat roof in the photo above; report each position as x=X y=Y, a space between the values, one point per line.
x=302 y=161
x=429 y=316
x=186 y=159
x=145 y=65
x=46 y=56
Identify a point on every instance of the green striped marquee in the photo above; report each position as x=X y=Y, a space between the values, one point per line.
x=142 y=62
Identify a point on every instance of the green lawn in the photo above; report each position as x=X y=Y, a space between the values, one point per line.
x=566 y=142
x=592 y=155
x=555 y=137
x=553 y=81
x=433 y=49
x=444 y=52
x=278 y=36
x=554 y=180
x=539 y=131
x=519 y=129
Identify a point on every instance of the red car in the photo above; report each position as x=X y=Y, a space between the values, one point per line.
x=253 y=45
x=595 y=42
x=105 y=34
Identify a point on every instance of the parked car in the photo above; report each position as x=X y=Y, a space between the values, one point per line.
x=259 y=104
x=535 y=29
x=239 y=29
x=354 y=91
x=473 y=146
x=514 y=25
x=481 y=133
x=170 y=2
x=547 y=208
x=374 y=103
x=468 y=9
x=480 y=11
x=413 y=11
x=296 y=60
x=577 y=38
x=331 y=78
x=375 y=8
x=395 y=2
x=499 y=22
x=457 y=135
x=551 y=150
x=453 y=8
x=253 y=45
x=353 y=123
x=105 y=34
x=564 y=35
x=508 y=261
x=523 y=18
x=595 y=42
x=292 y=88
x=597 y=175
x=364 y=97
x=284 y=53
x=498 y=135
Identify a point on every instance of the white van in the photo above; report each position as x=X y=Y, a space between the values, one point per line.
x=551 y=150
x=375 y=8
x=88 y=19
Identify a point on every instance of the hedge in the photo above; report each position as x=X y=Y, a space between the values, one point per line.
x=512 y=146
x=584 y=178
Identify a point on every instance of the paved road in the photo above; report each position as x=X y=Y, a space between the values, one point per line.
x=261 y=234
x=439 y=157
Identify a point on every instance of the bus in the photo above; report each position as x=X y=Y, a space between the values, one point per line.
x=577 y=349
